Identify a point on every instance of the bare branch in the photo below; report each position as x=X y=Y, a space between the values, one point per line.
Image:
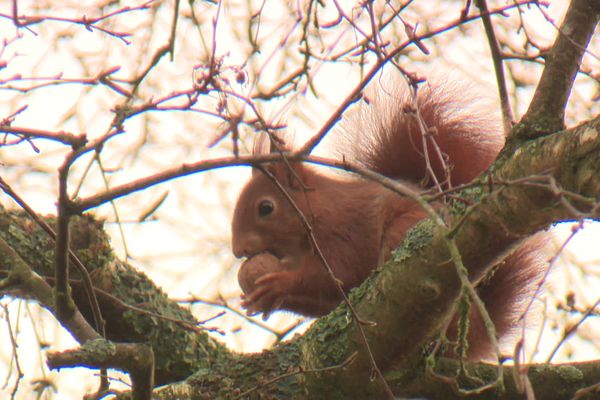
x=547 y=109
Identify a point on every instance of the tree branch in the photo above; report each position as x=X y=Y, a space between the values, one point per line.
x=547 y=109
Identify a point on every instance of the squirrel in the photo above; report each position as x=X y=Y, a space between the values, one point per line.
x=440 y=138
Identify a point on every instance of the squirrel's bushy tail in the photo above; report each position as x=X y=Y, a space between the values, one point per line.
x=388 y=132
x=508 y=294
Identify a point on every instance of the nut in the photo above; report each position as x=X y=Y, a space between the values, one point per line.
x=255 y=267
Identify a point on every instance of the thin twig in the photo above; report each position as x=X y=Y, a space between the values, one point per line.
x=507 y=114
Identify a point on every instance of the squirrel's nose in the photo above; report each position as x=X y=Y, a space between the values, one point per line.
x=247 y=245
x=239 y=251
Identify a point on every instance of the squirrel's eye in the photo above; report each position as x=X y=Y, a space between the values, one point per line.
x=265 y=208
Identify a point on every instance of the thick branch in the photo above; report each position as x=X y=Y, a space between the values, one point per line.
x=179 y=352
x=22 y=278
x=549 y=382
x=134 y=358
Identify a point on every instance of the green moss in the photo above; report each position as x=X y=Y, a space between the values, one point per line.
x=28 y=240
x=405 y=376
x=326 y=330
x=99 y=348
x=570 y=374
x=238 y=376
x=417 y=238
x=89 y=242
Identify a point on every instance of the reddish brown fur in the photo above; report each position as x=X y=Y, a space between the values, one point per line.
x=454 y=119
x=357 y=222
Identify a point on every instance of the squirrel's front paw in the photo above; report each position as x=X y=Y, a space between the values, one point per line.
x=263 y=281
x=270 y=291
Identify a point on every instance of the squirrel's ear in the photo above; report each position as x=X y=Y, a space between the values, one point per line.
x=287 y=173
x=291 y=174
x=261 y=144
x=269 y=143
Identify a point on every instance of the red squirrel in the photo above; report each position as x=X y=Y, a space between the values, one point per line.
x=357 y=222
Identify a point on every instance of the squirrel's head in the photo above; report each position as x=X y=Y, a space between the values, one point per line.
x=267 y=220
